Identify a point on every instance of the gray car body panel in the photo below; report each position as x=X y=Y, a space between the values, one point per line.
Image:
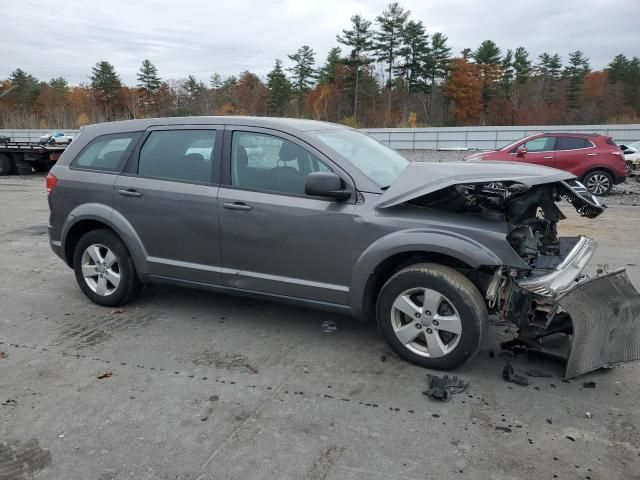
x=307 y=250
x=422 y=178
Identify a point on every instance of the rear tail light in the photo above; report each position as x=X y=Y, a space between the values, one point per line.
x=51 y=182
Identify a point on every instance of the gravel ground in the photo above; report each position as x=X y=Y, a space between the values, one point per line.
x=190 y=385
x=627 y=193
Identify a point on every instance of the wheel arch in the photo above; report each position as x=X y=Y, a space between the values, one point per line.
x=95 y=216
x=377 y=264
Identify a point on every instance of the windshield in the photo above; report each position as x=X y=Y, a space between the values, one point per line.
x=377 y=161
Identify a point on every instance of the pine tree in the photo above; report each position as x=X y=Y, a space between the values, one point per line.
x=279 y=90
x=414 y=54
x=617 y=69
x=360 y=39
x=522 y=69
x=148 y=80
x=106 y=83
x=575 y=72
x=303 y=71
x=327 y=73
x=436 y=66
x=388 y=39
x=487 y=57
x=59 y=84
x=25 y=87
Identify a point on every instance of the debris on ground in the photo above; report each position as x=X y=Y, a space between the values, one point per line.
x=329 y=326
x=510 y=375
x=549 y=421
x=537 y=373
x=569 y=437
x=589 y=385
x=492 y=354
x=588 y=414
x=117 y=310
x=105 y=375
x=383 y=358
x=3 y=355
x=441 y=388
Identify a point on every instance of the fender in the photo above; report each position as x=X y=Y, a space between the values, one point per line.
x=114 y=220
x=449 y=243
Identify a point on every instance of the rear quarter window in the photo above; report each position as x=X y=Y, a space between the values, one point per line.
x=106 y=153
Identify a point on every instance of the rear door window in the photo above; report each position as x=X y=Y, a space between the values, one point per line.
x=179 y=155
x=107 y=152
x=572 y=143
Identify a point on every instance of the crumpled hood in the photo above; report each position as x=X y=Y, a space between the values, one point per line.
x=421 y=178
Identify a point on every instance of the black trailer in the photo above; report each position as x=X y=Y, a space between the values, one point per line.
x=22 y=157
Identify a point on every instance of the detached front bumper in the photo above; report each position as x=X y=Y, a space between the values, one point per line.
x=604 y=312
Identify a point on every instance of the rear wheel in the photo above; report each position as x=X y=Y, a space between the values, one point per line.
x=104 y=269
x=598 y=182
x=432 y=315
x=6 y=165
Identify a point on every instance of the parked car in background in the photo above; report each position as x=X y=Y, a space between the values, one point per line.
x=595 y=159
x=55 y=137
x=4 y=139
x=631 y=154
x=323 y=216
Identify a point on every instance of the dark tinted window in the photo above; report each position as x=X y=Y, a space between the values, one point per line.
x=185 y=155
x=265 y=162
x=572 y=143
x=108 y=152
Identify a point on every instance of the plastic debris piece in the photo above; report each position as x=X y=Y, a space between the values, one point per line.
x=537 y=373
x=329 y=326
x=589 y=385
x=105 y=375
x=441 y=388
x=588 y=414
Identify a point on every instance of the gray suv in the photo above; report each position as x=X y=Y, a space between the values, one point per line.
x=324 y=216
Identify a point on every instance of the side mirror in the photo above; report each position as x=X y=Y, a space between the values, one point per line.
x=521 y=151
x=325 y=184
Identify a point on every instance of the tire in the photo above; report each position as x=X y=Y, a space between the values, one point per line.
x=23 y=167
x=454 y=297
x=6 y=165
x=42 y=167
x=100 y=288
x=598 y=182
x=52 y=141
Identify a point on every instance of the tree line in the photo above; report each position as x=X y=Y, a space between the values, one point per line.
x=385 y=72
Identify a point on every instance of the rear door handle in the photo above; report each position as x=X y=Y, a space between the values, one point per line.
x=130 y=192
x=236 y=206
x=547 y=158
x=591 y=154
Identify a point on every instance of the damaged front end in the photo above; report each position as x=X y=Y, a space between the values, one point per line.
x=587 y=322
x=556 y=309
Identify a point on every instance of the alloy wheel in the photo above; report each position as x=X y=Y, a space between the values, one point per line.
x=100 y=269
x=598 y=184
x=426 y=322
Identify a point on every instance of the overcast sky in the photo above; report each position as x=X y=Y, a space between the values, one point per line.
x=200 y=37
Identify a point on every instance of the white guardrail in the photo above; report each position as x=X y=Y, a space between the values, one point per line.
x=436 y=138
x=485 y=138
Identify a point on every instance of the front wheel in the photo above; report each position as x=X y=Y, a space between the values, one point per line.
x=432 y=315
x=598 y=182
x=104 y=269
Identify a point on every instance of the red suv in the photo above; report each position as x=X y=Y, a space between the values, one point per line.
x=595 y=159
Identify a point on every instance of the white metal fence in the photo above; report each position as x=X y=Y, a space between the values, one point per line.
x=443 y=138
x=438 y=138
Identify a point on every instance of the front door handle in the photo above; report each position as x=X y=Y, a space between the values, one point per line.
x=547 y=158
x=130 y=192
x=236 y=206
x=591 y=154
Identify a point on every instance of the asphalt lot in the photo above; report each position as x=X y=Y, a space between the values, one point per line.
x=205 y=386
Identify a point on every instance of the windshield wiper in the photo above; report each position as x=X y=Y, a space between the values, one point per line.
x=385 y=188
